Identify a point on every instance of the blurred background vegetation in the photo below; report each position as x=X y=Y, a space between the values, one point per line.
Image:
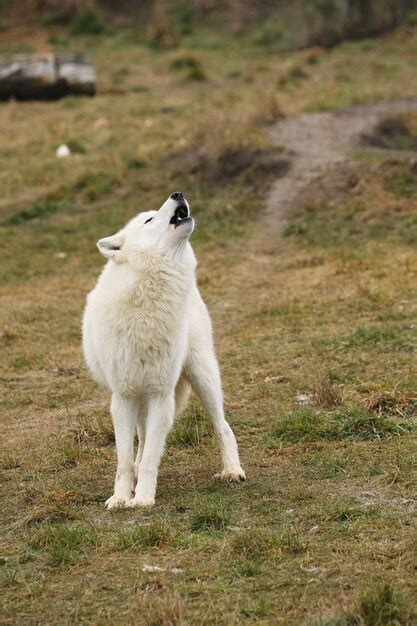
x=280 y=24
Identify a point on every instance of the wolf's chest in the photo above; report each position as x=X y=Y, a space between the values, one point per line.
x=146 y=351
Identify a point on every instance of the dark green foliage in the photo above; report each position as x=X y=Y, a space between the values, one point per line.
x=391 y=133
x=402 y=183
x=89 y=22
x=191 y=65
x=39 y=209
x=269 y=35
x=76 y=146
x=56 y=18
x=136 y=164
x=293 y=76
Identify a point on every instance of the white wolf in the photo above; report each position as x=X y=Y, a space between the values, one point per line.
x=147 y=337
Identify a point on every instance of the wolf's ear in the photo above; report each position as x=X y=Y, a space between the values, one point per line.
x=111 y=247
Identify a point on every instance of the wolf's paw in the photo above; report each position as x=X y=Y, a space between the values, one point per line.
x=233 y=475
x=116 y=502
x=137 y=502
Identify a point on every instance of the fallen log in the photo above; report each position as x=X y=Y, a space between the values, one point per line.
x=46 y=77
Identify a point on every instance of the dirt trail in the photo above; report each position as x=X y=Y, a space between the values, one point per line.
x=316 y=142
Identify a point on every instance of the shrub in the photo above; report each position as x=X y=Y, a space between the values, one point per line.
x=57 y=18
x=89 y=23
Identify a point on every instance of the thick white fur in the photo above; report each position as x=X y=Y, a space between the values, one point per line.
x=147 y=337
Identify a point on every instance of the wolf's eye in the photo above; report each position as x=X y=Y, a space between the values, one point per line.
x=148 y=220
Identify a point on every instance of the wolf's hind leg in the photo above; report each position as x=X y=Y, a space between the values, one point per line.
x=141 y=432
x=182 y=395
x=204 y=375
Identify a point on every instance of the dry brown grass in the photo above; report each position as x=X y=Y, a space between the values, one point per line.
x=323 y=523
x=326 y=393
x=402 y=405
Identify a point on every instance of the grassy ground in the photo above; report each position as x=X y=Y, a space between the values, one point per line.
x=315 y=329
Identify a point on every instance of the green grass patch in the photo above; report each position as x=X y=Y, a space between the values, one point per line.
x=185 y=62
x=142 y=536
x=352 y=222
x=248 y=569
x=191 y=429
x=94 y=185
x=191 y=67
x=402 y=183
x=382 y=605
x=136 y=163
x=64 y=545
x=92 y=429
x=209 y=519
x=382 y=337
x=307 y=424
x=39 y=210
x=260 y=544
x=269 y=35
x=69 y=455
x=76 y=146
x=338 y=510
x=293 y=77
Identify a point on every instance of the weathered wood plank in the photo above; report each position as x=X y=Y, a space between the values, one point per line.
x=45 y=77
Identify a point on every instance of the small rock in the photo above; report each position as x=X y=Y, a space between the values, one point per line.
x=63 y=151
x=311 y=570
x=303 y=398
x=151 y=568
x=368 y=494
x=155 y=568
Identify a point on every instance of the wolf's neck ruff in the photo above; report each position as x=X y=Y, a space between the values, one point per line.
x=152 y=305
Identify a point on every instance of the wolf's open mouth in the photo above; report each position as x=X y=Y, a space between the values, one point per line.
x=180 y=216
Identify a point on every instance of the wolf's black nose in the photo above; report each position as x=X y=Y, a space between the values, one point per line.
x=177 y=195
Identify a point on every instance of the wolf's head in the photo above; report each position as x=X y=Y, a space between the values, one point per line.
x=164 y=232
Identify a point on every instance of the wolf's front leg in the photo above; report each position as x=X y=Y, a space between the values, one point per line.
x=124 y=415
x=158 y=424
